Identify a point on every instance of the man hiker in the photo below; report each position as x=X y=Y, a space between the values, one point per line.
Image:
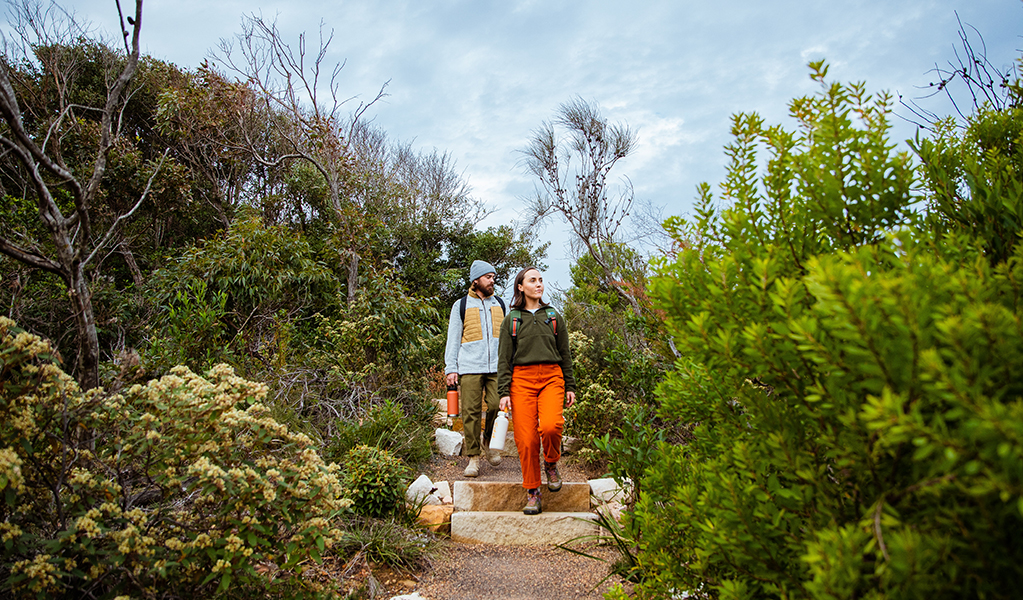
x=470 y=359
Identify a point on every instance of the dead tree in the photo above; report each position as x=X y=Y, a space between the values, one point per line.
x=75 y=241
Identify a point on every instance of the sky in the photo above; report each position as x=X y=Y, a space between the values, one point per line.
x=475 y=78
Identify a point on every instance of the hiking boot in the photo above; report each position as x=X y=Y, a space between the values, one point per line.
x=473 y=470
x=553 y=478
x=493 y=457
x=532 y=503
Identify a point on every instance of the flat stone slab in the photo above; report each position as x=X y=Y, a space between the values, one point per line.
x=517 y=529
x=480 y=496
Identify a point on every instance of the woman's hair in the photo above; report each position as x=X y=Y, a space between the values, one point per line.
x=518 y=298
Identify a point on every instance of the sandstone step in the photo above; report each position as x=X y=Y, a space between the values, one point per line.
x=517 y=529
x=482 y=496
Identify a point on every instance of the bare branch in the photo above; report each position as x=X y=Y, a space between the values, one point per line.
x=31 y=258
x=115 y=227
x=979 y=78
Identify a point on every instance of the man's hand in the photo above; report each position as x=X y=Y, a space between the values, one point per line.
x=506 y=403
x=452 y=378
x=569 y=399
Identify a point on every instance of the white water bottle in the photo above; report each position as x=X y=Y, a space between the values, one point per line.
x=500 y=431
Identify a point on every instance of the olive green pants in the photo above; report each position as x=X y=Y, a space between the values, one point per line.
x=477 y=387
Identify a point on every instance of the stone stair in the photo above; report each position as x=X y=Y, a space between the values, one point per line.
x=491 y=512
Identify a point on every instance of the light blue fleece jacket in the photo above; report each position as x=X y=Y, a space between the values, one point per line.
x=472 y=345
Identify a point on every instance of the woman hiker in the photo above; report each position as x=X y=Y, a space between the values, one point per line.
x=534 y=380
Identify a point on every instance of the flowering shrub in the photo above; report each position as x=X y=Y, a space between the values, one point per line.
x=180 y=488
x=597 y=410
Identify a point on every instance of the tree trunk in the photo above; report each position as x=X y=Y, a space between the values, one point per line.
x=133 y=267
x=85 y=322
x=353 y=276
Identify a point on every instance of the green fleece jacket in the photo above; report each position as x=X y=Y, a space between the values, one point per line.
x=534 y=344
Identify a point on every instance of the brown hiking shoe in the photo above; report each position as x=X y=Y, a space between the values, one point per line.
x=493 y=457
x=553 y=478
x=532 y=503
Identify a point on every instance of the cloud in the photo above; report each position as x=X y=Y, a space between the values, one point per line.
x=476 y=78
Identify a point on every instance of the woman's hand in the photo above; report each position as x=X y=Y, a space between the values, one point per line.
x=452 y=378
x=569 y=399
x=506 y=403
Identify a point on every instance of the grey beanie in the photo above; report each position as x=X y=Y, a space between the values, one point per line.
x=480 y=268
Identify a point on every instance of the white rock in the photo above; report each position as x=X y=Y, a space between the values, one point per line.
x=443 y=491
x=413 y=596
x=422 y=490
x=449 y=443
x=607 y=490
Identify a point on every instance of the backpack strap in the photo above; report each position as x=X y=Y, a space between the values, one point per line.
x=504 y=309
x=552 y=318
x=516 y=322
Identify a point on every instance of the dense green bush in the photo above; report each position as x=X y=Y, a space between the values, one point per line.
x=619 y=357
x=598 y=409
x=375 y=480
x=852 y=378
x=192 y=330
x=231 y=294
x=181 y=488
x=383 y=336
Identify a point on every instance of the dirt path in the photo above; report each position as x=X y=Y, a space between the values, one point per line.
x=484 y=571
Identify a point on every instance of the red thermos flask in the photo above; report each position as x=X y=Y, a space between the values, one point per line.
x=452 y=401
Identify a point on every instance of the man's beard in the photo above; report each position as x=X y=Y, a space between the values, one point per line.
x=484 y=290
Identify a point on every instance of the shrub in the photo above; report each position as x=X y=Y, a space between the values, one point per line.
x=191 y=330
x=259 y=277
x=853 y=380
x=182 y=487
x=597 y=410
x=375 y=480
x=383 y=335
x=611 y=413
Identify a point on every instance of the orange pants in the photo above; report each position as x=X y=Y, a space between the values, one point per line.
x=538 y=402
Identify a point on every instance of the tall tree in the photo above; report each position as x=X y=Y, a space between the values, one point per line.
x=65 y=192
x=210 y=119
